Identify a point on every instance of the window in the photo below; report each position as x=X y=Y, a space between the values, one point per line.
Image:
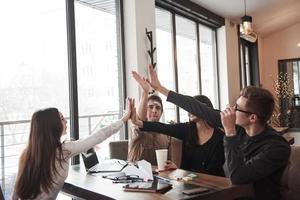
x=187 y=64
x=296 y=77
x=193 y=68
x=34 y=71
x=98 y=69
x=208 y=63
x=249 y=70
x=164 y=57
x=245 y=66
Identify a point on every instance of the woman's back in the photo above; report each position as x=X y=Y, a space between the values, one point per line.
x=58 y=179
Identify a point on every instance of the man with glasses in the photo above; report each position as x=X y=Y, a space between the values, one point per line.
x=254 y=152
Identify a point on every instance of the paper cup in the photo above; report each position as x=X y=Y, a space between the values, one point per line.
x=161 y=157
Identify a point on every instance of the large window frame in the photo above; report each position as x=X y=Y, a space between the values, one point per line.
x=71 y=63
x=249 y=64
x=174 y=10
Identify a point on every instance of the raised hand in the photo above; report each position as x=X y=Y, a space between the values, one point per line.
x=129 y=108
x=155 y=83
x=153 y=78
x=135 y=120
x=170 y=165
x=141 y=81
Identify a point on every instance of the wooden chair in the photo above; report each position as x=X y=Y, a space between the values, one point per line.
x=176 y=148
x=118 y=149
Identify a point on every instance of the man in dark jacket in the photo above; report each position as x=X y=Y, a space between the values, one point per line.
x=254 y=152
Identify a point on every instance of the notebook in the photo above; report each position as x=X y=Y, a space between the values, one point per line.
x=92 y=164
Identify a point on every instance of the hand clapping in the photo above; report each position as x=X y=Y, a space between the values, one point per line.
x=129 y=108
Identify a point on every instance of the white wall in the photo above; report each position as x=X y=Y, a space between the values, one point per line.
x=277 y=46
x=138 y=14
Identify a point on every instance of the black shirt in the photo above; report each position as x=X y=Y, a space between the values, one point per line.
x=260 y=159
x=206 y=158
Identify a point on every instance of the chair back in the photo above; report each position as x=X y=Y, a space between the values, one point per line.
x=290 y=179
x=118 y=149
x=176 y=149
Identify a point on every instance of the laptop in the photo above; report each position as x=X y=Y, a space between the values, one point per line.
x=92 y=164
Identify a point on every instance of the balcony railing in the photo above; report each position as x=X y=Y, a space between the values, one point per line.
x=14 y=136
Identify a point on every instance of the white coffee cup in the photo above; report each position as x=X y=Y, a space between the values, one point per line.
x=161 y=157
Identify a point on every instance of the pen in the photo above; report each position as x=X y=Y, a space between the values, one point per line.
x=163 y=178
x=122 y=181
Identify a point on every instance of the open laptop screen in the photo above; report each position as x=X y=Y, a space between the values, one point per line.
x=92 y=164
x=90 y=159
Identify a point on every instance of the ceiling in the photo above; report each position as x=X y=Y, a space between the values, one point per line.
x=268 y=16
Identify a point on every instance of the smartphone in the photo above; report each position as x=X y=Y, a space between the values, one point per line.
x=195 y=191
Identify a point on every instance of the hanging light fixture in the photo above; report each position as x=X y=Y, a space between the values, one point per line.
x=246 y=25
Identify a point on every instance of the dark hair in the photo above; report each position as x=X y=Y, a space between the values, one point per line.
x=38 y=161
x=193 y=128
x=204 y=99
x=259 y=101
x=157 y=98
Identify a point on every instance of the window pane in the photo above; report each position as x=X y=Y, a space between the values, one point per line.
x=33 y=70
x=296 y=76
x=208 y=64
x=99 y=73
x=209 y=84
x=247 y=67
x=242 y=68
x=165 y=59
x=188 y=71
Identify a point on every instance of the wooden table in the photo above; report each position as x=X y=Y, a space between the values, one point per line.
x=93 y=186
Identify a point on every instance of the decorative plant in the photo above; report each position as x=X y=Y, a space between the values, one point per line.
x=284 y=92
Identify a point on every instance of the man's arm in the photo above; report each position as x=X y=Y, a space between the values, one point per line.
x=142 y=109
x=155 y=83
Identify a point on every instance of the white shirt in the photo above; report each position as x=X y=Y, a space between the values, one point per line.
x=73 y=148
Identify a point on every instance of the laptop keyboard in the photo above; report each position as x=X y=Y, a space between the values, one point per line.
x=110 y=166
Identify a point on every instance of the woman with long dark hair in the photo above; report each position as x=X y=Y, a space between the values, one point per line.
x=44 y=163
